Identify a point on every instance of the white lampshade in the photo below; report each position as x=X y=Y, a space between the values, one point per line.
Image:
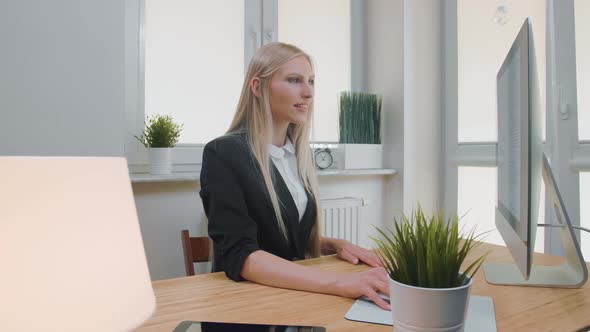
x=71 y=253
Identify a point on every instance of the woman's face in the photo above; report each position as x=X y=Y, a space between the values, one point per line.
x=291 y=91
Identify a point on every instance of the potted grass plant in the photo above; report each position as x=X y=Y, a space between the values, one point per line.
x=159 y=136
x=424 y=257
x=360 y=131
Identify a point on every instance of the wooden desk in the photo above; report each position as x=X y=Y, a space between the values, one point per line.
x=213 y=297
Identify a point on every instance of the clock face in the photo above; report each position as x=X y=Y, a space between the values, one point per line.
x=323 y=159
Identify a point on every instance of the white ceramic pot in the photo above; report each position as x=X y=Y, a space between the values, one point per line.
x=160 y=160
x=360 y=156
x=429 y=309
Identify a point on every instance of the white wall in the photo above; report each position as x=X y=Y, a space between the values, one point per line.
x=583 y=83
x=582 y=11
x=423 y=103
x=385 y=76
x=164 y=209
x=61 y=77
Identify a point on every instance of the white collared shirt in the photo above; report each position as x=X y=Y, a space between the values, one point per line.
x=285 y=161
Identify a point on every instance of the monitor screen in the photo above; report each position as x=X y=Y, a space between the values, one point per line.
x=519 y=149
x=513 y=161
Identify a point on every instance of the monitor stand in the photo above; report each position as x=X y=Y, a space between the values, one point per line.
x=573 y=273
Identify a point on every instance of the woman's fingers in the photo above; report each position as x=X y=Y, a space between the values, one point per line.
x=371 y=294
x=346 y=255
x=368 y=283
x=355 y=254
x=382 y=287
x=380 y=283
x=367 y=256
x=381 y=280
x=372 y=259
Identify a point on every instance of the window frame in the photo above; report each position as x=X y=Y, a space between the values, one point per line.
x=568 y=155
x=186 y=157
x=261 y=27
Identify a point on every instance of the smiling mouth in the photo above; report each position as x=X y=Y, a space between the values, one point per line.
x=301 y=107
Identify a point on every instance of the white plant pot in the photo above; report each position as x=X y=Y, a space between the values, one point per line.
x=360 y=156
x=429 y=309
x=160 y=160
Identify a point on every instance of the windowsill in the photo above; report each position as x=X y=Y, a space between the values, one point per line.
x=194 y=176
x=173 y=177
x=352 y=172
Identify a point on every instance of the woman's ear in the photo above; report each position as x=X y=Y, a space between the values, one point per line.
x=255 y=86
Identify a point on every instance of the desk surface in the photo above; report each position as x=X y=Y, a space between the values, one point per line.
x=213 y=297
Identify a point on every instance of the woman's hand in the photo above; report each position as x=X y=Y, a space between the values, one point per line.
x=354 y=254
x=267 y=269
x=366 y=283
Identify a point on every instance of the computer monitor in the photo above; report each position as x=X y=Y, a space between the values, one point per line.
x=519 y=150
x=521 y=166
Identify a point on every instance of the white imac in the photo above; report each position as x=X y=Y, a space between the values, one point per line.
x=521 y=166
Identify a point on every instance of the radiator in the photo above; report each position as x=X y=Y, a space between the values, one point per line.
x=343 y=219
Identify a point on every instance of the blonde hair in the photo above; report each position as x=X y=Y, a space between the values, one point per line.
x=253 y=117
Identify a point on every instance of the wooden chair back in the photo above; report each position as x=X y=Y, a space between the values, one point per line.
x=196 y=250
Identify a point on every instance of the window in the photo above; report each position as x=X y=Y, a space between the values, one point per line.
x=483 y=41
x=478 y=210
x=483 y=32
x=324 y=33
x=480 y=33
x=187 y=59
x=190 y=72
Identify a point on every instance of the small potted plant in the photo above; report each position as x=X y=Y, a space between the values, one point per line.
x=423 y=258
x=360 y=131
x=160 y=135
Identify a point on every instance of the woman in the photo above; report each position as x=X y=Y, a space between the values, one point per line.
x=260 y=191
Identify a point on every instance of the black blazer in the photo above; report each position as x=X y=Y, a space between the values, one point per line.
x=239 y=209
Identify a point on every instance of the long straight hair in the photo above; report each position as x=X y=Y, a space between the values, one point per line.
x=254 y=118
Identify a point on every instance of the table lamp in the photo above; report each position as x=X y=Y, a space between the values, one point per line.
x=71 y=253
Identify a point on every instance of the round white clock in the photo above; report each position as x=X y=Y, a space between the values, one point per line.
x=323 y=158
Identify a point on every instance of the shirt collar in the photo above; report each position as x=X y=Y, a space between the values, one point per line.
x=279 y=152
